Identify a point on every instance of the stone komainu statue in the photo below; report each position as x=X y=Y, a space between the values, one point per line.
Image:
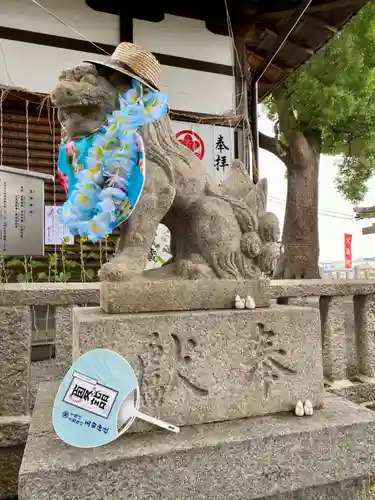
x=216 y=232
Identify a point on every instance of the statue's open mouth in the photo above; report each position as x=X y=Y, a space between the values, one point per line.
x=75 y=98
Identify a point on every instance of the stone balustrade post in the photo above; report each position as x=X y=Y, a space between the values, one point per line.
x=15 y=358
x=364 y=318
x=335 y=360
x=63 y=337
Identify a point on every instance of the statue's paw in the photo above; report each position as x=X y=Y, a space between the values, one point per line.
x=118 y=270
x=111 y=272
x=193 y=271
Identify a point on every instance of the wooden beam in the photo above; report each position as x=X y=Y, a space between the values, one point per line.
x=126 y=27
x=291 y=41
x=194 y=117
x=276 y=64
x=369 y=229
x=322 y=7
x=292 y=21
x=364 y=212
x=245 y=31
x=337 y=4
x=321 y=23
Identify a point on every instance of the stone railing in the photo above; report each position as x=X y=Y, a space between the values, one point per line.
x=359 y=272
x=348 y=350
x=17 y=325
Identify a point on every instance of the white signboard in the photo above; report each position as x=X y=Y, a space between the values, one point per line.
x=55 y=231
x=21 y=211
x=213 y=145
x=89 y=395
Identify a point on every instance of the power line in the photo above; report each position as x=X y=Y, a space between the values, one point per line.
x=322 y=211
x=70 y=27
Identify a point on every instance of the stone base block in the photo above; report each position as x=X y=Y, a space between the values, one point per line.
x=206 y=366
x=13 y=436
x=179 y=295
x=359 y=393
x=280 y=457
x=10 y=463
x=15 y=355
x=346 y=490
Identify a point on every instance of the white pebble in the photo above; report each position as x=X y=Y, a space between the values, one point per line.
x=309 y=409
x=239 y=303
x=250 y=304
x=299 y=411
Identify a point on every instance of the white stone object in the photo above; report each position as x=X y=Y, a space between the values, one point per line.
x=239 y=303
x=249 y=303
x=309 y=409
x=299 y=411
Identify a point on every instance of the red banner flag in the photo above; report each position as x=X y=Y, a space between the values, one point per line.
x=348 y=250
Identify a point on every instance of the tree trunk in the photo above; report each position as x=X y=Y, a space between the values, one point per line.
x=300 y=256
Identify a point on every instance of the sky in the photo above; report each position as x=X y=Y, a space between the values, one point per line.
x=333 y=226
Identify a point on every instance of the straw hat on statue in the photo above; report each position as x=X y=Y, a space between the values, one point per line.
x=134 y=62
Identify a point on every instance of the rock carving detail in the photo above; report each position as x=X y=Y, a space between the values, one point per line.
x=268 y=361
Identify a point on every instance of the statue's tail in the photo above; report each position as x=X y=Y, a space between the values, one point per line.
x=248 y=200
x=246 y=218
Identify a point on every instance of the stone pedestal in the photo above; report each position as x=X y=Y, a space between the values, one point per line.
x=206 y=366
x=364 y=310
x=15 y=352
x=180 y=295
x=278 y=457
x=334 y=339
x=64 y=337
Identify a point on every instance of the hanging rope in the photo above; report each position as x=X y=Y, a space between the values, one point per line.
x=54 y=160
x=70 y=27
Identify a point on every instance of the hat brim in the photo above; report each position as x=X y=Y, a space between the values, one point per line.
x=125 y=72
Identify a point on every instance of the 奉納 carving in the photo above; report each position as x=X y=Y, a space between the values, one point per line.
x=164 y=366
x=268 y=360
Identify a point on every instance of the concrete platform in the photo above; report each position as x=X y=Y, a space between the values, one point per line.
x=324 y=457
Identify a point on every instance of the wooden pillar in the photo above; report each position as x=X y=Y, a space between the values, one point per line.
x=242 y=72
x=126 y=27
x=255 y=130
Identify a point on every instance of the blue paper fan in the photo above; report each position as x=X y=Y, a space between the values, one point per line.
x=98 y=400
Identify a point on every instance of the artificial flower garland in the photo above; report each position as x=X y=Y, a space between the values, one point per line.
x=104 y=173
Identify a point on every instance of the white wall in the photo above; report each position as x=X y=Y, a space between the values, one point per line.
x=25 y=15
x=179 y=36
x=190 y=90
x=36 y=67
x=197 y=91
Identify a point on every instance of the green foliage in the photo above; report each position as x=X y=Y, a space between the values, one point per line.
x=59 y=266
x=335 y=94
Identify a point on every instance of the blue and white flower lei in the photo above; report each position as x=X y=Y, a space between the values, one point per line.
x=108 y=176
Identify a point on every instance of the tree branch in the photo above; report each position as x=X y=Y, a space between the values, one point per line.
x=272 y=145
